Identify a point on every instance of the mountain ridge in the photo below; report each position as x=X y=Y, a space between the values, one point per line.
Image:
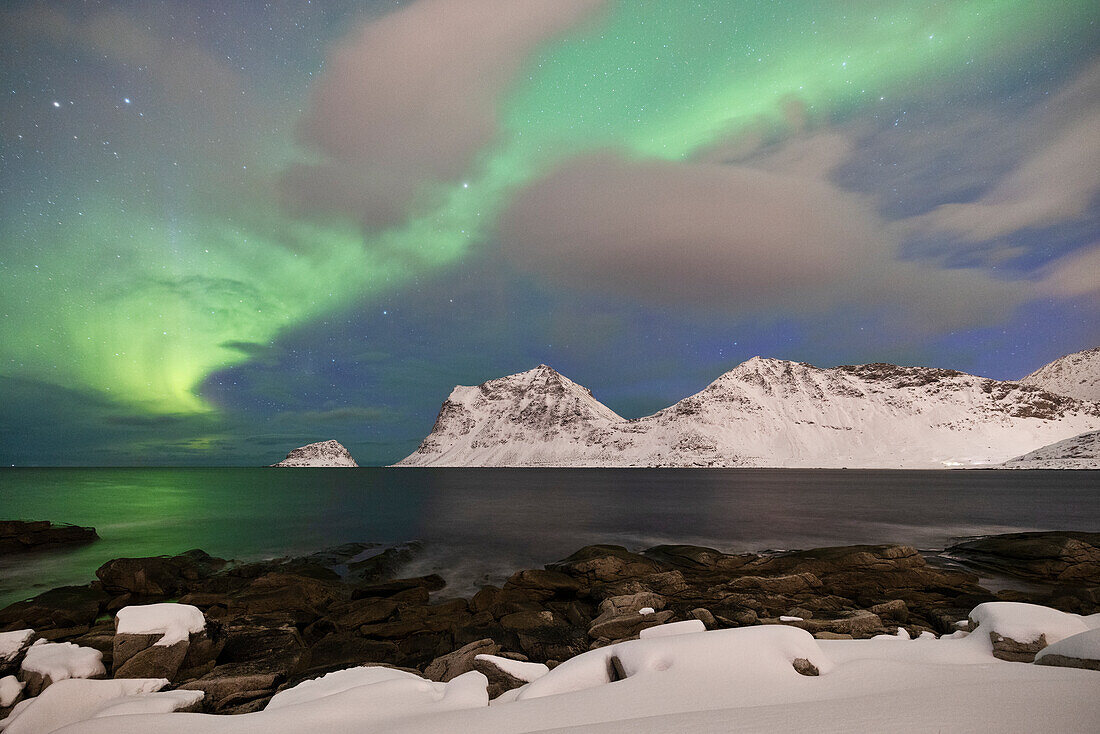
x=763 y=412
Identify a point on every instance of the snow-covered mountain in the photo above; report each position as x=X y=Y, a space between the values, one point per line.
x=321 y=454
x=1076 y=375
x=765 y=412
x=534 y=418
x=1079 y=452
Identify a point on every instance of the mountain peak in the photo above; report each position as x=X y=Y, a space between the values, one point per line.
x=1075 y=375
x=321 y=454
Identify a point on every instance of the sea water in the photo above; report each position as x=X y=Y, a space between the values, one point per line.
x=478 y=525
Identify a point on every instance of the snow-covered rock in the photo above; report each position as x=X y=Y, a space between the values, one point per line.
x=1081 y=650
x=1076 y=375
x=519 y=669
x=320 y=454
x=71 y=701
x=10 y=690
x=176 y=622
x=741 y=679
x=12 y=646
x=1017 y=631
x=47 y=663
x=765 y=412
x=1079 y=452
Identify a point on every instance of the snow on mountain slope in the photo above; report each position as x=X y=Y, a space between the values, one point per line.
x=1079 y=452
x=1076 y=375
x=765 y=412
x=534 y=418
x=321 y=454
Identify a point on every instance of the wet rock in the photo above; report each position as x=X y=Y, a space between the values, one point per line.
x=1014 y=651
x=155 y=661
x=62 y=608
x=692 y=557
x=158 y=576
x=613 y=626
x=704 y=616
x=632 y=603
x=553 y=583
x=859 y=624
x=261 y=646
x=1061 y=557
x=355 y=614
x=432 y=582
x=18 y=536
x=606 y=563
x=789 y=584
x=735 y=616
x=450 y=666
x=895 y=609
x=383 y=564
x=804 y=667
x=502 y=602
x=342 y=650
x=235 y=688
x=304 y=597
x=499 y=679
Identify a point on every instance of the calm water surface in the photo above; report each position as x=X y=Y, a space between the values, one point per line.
x=481 y=524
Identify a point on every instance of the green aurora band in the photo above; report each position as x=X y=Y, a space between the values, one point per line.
x=141 y=303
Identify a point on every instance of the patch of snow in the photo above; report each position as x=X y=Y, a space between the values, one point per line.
x=518 y=669
x=62 y=660
x=177 y=622
x=337 y=682
x=647 y=610
x=1025 y=622
x=10 y=688
x=372 y=695
x=788 y=618
x=71 y=701
x=686 y=627
x=1084 y=645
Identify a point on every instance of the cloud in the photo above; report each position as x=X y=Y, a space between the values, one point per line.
x=773 y=236
x=1074 y=275
x=410 y=97
x=191 y=77
x=1056 y=181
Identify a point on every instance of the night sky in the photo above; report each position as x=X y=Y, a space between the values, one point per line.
x=229 y=229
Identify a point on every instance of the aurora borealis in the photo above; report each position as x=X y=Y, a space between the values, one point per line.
x=231 y=229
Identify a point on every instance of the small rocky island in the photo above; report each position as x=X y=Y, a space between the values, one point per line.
x=20 y=536
x=261 y=628
x=330 y=454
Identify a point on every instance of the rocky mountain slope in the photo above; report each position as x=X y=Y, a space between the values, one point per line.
x=765 y=412
x=321 y=454
x=1076 y=375
x=1079 y=452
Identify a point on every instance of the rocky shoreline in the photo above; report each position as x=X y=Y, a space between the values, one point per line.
x=272 y=624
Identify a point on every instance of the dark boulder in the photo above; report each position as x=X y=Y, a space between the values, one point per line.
x=607 y=563
x=18 y=536
x=67 y=607
x=1053 y=557
x=158 y=576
